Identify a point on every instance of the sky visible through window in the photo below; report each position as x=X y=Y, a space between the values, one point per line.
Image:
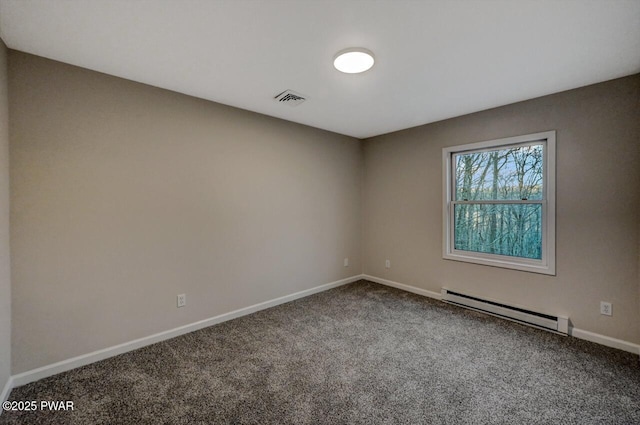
x=506 y=174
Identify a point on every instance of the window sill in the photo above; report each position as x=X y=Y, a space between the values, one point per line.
x=531 y=266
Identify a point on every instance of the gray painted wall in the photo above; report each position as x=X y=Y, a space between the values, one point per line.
x=598 y=206
x=125 y=195
x=5 y=274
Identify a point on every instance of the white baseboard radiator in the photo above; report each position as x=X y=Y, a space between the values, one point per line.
x=536 y=319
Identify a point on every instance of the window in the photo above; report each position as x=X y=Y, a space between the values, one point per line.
x=499 y=203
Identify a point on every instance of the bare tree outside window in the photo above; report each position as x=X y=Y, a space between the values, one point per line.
x=501 y=175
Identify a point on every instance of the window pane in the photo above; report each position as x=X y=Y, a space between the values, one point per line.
x=504 y=229
x=505 y=174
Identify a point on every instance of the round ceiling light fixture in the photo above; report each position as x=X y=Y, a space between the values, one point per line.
x=353 y=60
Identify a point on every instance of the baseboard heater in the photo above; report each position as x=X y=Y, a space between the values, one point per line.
x=545 y=321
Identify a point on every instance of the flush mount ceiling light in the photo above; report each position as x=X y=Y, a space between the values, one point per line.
x=353 y=60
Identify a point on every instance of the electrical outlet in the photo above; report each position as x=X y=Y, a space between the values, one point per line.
x=606 y=308
x=387 y=264
x=182 y=300
x=346 y=262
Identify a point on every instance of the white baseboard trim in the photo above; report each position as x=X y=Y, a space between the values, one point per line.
x=85 y=359
x=605 y=340
x=408 y=288
x=4 y=395
x=574 y=332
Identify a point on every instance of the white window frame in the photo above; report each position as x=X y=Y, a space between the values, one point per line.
x=547 y=264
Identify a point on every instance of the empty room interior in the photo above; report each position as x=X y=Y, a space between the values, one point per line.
x=303 y=212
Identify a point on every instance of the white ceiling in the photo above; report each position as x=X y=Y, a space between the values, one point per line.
x=434 y=59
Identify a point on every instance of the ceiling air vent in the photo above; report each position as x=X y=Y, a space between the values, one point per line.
x=291 y=98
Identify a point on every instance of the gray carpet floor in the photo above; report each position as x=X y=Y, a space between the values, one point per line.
x=359 y=354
